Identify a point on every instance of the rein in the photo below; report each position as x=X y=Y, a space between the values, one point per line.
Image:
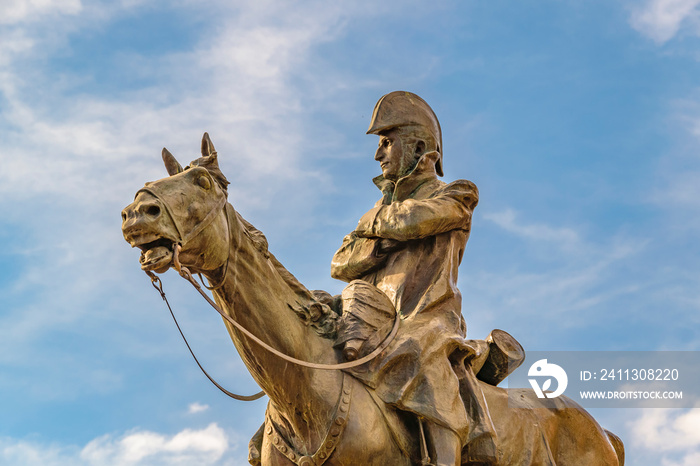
x=187 y=275
x=158 y=285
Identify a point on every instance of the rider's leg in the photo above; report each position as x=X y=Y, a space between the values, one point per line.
x=445 y=446
x=481 y=445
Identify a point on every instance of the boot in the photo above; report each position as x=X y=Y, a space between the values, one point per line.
x=443 y=444
x=482 y=443
x=481 y=451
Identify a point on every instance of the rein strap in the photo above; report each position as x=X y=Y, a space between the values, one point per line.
x=158 y=285
x=200 y=225
x=185 y=273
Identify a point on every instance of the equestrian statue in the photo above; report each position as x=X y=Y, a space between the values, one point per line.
x=382 y=374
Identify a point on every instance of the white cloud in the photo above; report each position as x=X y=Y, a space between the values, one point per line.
x=558 y=278
x=661 y=20
x=197 y=408
x=15 y=11
x=236 y=85
x=565 y=291
x=75 y=158
x=667 y=429
x=677 y=175
x=689 y=459
x=684 y=190
x=675 y=432
x=14 y=42
x=205 y=446
x=24 y=453
x=507 y=220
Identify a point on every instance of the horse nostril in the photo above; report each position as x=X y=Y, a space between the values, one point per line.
x=153 y=211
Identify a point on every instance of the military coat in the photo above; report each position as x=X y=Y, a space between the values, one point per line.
x=410 y=246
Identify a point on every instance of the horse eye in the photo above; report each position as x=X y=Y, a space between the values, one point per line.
x=204 y=182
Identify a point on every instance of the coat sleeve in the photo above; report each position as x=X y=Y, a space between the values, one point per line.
x=356 y=258
x=450 y=209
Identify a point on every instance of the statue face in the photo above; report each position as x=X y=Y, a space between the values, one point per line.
x=395 y=161
x=187 y=208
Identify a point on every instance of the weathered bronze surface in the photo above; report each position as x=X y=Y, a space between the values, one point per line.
x=430 y=397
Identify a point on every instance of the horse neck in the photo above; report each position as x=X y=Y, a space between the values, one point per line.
x=260 y=294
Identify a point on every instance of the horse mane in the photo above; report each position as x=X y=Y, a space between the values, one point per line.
x=314 y=308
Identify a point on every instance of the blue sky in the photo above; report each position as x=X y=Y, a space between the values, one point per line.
x=578 y=121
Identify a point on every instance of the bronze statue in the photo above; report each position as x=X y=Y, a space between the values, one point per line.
x=410 y=246
x=383 y=374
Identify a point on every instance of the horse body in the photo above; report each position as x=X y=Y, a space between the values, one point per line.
x=548 y=432
x=257 y=293
x=251 y=286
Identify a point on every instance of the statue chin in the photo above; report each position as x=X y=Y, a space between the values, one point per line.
x=157 y=259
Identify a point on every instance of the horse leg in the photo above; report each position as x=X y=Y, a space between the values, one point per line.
x=375 y=435
x=255 y=446
x=618 y=446
x=368 y=439
x=270 y=456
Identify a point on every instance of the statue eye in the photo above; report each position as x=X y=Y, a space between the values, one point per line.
x=203 y=181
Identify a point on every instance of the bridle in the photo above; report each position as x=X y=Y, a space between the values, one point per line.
x=183 y=239
x=187 y=275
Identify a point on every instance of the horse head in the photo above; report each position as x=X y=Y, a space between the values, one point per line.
x=185 y=212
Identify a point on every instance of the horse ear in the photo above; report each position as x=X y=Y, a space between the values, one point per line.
x=172 y=165
x=207 y=146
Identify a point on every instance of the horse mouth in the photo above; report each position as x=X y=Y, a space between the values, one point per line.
x=156 y=255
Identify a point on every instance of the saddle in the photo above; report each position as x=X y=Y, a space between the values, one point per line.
x=366 y=316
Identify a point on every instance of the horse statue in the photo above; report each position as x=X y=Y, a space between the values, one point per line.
x=319 y=416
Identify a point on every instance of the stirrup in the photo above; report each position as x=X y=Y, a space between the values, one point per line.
x=425 y=460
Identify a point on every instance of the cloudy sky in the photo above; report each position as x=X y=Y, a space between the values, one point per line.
x=578 y=121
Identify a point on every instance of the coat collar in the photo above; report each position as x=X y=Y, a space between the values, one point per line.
x=406 y=187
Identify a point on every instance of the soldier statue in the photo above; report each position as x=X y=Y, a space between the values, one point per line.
x=408 y=247
x=410 y=379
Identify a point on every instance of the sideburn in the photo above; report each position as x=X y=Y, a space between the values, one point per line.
x=410 y=156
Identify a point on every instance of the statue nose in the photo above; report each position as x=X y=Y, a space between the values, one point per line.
x=137 y=212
